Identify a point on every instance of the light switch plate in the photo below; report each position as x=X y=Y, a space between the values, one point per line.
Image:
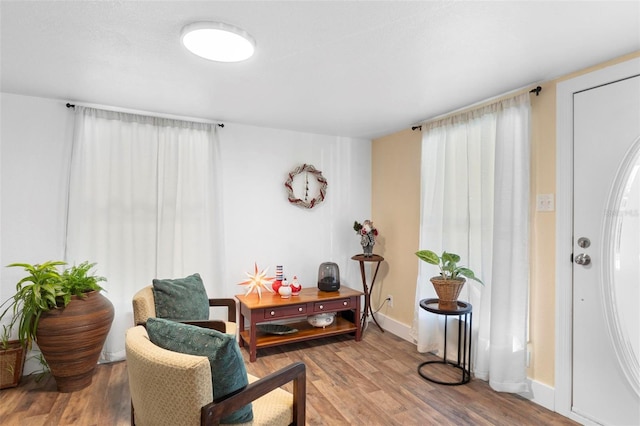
x=545 y=203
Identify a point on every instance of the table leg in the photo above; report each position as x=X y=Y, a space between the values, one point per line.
x=359 y=324
x=373 y=281
x=470 y=337
x=253 y=351
x=367 y=297
x=446 y=320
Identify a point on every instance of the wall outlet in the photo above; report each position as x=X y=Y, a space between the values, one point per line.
x=390 y=300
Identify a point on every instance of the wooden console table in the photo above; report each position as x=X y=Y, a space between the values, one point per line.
x=310 y=301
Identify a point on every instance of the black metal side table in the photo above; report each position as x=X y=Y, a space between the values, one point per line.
x=465 y=316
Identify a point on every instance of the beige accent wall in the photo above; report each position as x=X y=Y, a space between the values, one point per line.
x=542 y=234
x=396 y=211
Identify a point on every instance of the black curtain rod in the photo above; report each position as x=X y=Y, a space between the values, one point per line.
x=73 y=106
x=416 y=128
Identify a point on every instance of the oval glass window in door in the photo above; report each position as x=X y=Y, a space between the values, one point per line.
x=621 y=280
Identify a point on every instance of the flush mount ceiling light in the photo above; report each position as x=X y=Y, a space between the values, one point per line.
x=218 y=41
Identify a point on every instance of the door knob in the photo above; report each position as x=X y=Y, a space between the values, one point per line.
x=583 y=259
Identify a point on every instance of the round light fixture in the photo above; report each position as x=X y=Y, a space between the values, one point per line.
x=218 y=41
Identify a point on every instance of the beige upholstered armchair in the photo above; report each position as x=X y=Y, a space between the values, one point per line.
x=171 y=388
x=144 y=308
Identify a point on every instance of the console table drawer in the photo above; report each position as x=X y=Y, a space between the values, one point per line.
x=332 y=305
x=285 y=311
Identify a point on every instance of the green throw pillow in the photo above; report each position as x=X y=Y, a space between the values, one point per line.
x=182 y=299
x=228 y=372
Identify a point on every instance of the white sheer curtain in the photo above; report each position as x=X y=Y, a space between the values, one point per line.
x=475 y=202
x=143 y=204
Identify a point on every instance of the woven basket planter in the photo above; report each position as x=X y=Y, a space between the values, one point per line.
x=448 y=291
x=11 y=364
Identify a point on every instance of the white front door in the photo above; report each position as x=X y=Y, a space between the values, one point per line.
x=606 y=253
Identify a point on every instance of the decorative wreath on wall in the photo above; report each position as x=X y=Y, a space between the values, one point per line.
x=306 y=202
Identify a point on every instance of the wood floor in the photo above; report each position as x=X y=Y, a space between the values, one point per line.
x=372 y=382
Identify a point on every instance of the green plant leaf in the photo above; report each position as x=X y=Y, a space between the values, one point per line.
x=448 y=264
x=428 y=256
x=469 y=274
x=450 y=257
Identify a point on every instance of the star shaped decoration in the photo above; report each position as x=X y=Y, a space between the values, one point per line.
x=258 y=281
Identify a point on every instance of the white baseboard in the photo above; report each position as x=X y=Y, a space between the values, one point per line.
x=394 y=327
x=541 y=394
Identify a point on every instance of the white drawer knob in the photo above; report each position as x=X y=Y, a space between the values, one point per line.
x=345 y=303
x=299 y=309
x=321 y=307
x=272 y=313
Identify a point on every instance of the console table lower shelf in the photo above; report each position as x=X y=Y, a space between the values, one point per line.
x=344 y=302
x=305 y=332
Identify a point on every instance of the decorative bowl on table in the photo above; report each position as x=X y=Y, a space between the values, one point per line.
x=321 y=320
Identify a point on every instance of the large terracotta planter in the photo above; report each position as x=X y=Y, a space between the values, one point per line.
x=72 y=338
x=447 y=291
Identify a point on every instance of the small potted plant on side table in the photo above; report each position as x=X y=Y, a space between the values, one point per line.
x=451 y=279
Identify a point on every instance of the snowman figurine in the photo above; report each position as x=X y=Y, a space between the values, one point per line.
x=295 y=286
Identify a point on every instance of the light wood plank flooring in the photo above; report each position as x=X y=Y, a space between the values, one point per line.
x=372 y=382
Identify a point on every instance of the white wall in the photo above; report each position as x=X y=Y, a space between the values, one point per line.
x=260 y=224
x=35 y=144
x=35 y=136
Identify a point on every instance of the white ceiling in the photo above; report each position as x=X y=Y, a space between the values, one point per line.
x=349 y=68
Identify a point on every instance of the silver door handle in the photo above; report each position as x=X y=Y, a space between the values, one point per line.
x=583 y=259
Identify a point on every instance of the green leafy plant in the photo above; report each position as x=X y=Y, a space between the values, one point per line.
x=77 y=280
x=448 y=264
x=4 y=337
x=42 y=289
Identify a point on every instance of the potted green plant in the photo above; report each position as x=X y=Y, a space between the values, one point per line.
x=64 y=312
x=451 y=279
x=40 y=296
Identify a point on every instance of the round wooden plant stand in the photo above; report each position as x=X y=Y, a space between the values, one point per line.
x=368 y=309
